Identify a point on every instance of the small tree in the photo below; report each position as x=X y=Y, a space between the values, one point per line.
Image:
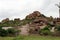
x=45 y=31
x=57 y=31
x=3 y=32
x=58 y=28
x=11 y=31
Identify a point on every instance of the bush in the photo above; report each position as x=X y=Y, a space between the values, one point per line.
x=3 y=32
x=57 y=31
x=8 y=32
x=45 y=31
x=12 y=32
x=58 y=28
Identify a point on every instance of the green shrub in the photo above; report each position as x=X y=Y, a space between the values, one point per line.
x=45 y=31
x=12 y=32
x=3 y=32
x=8 y=32
x=58 y=28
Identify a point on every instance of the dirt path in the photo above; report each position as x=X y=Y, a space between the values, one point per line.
x=24 y=30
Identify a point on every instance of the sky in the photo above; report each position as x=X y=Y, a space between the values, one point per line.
x=21 y=8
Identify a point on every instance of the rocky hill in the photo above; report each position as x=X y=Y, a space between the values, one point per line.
x=35 y=15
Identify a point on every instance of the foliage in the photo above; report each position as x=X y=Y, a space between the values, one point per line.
x=11 y=31
x=8 y=32
x=25 y=21
x=58 y=28
x=3 y=32
x=45 y=31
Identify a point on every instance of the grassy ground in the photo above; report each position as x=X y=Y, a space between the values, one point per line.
x=6 y=38
x=31 y=37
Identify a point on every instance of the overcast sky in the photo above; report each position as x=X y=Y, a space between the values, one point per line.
x=20 y=8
